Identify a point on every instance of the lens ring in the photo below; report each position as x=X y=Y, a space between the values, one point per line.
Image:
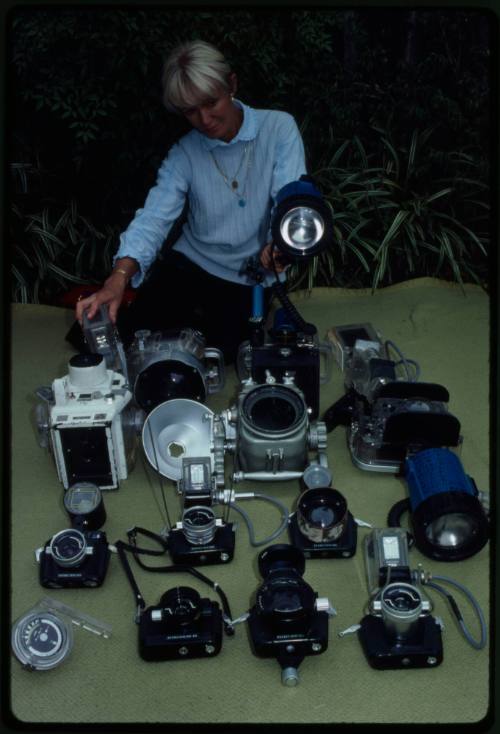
x=182 y=604
x=322 y=514
x=273 y=409
x=68 y=547
x=199 y=525
x=82 y=498
x=281 y=557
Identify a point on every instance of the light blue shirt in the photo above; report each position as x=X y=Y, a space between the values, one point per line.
x=219 y=234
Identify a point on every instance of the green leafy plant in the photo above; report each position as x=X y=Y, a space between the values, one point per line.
x=397 y=216
x=53 y=250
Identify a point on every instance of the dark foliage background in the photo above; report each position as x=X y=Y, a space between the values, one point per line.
x=394 y=106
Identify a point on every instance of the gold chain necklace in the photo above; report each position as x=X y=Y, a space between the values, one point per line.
x=232 y=181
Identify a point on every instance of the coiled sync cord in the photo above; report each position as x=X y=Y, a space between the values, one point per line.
x=249 y=523
x=279 y=290
x=477 y=644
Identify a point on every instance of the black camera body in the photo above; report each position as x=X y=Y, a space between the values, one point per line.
x=287 y=622
x=183 y=625
x=200 y=538
x=73 y=558
x=293 y=352
x=422 y=648
x=220 y=549
x=399 y=631
x=283 y=351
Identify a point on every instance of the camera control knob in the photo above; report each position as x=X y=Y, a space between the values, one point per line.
x=290 y=677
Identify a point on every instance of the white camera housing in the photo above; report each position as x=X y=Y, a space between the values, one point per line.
x=87 y=419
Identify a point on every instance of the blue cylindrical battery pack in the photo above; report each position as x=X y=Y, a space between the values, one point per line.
x=257 y=302
x=434 y=471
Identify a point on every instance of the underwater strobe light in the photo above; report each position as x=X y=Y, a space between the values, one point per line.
x=448 y=519
x=302 y=223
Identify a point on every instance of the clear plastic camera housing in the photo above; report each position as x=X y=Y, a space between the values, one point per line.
x=359 y=370
x=166 y=358
x=87 y=421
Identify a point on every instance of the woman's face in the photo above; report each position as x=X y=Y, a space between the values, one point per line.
x=215 y=116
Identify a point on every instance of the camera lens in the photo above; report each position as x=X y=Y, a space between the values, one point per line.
x=401 y=606
x=199 y=525
x=167 y=380
x=281 y=558
x=181 y=605
x=287 y=600
x=273 y=408
x=322 y=514
x=86 y=360
x=68 y=547
x=284 y=597
x=84 y=504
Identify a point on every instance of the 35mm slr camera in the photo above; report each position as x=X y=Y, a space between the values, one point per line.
x=200 y=537
x=74 y=558
x=288 y=621
x=183 y=625
x=77 y=556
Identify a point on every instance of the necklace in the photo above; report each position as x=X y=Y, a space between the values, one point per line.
x=232 y=181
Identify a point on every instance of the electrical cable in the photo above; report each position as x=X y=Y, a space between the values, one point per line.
x=404 y=361
x=284 y=521
x=477 y=644
x=157 y=467
x=279 y=290
x=394 y=517
x=176 y=568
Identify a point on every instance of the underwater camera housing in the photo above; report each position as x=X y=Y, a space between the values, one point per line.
x=88 y=422
x=285 y=350
x=270 y=433
x=158 y=365
x=386 y=417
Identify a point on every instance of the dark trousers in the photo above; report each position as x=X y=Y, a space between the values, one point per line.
x=179 y=294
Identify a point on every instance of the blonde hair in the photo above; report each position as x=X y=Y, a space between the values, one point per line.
x=193 y=71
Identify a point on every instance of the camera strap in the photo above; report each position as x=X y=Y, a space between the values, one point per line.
x=131 y=547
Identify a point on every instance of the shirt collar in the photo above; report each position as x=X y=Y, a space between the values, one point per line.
x=247 y=131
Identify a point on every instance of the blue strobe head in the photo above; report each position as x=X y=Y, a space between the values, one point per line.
x=448 y=519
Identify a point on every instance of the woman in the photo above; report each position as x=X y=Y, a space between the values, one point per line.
x=229 y=167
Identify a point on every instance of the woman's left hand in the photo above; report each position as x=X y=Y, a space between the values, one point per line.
x=266 y=259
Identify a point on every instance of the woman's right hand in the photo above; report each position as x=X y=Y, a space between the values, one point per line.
x=111 y=294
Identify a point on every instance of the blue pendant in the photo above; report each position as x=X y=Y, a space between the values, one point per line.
x=242 y=202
